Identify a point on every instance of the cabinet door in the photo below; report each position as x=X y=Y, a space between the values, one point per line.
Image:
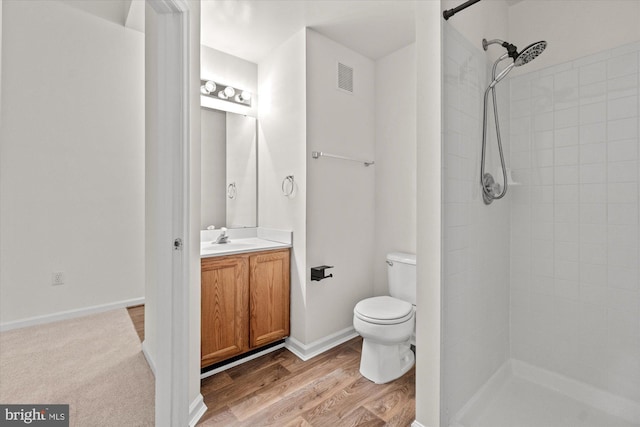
x=269 y=299
x=225 y=303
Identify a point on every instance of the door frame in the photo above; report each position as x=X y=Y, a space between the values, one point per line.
x=170 y=215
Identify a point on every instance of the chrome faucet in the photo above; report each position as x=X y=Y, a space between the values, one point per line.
x=222 y=238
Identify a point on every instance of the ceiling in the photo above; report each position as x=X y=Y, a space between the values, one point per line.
x=250 y=29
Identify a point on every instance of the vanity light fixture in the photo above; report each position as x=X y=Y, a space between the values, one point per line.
x=226 y=93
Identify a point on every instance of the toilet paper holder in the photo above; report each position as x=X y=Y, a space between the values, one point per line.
x=317 y=273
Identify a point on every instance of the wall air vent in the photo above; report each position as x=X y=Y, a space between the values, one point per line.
x=345 y=78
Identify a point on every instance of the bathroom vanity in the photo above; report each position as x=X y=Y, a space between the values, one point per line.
x=245 y=297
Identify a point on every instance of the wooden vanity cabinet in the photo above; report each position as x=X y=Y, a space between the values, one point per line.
x=224 y=301
x=245 y=303
x=268 y=297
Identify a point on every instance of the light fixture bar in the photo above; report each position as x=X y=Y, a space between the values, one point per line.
x=224 y=92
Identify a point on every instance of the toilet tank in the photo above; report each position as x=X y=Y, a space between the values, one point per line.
x=401 y=274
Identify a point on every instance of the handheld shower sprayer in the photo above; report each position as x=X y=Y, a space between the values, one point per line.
x=492 y=190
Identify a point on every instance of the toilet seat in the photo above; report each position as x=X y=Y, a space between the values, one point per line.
x=384 y=310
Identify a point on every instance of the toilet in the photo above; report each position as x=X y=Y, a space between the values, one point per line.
x=387 y=323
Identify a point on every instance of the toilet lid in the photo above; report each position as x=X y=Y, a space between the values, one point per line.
x=383 y=310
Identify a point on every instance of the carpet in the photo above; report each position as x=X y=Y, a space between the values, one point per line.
x=93 y=363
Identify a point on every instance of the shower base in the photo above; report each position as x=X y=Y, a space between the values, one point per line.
x=521 y=395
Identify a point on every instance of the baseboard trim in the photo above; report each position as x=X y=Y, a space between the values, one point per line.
x=69 y=314
x=311 y=350
x=582 y=392
x=196 y=410
x=240 y=361
x=147 y=355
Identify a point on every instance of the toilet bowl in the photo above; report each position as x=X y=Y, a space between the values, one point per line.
x=386 y=325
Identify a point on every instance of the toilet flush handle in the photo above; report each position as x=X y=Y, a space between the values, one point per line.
x=390 y=263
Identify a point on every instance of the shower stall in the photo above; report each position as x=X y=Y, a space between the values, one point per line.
x=541 y=287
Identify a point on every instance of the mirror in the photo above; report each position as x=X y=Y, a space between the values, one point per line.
x=229 y=170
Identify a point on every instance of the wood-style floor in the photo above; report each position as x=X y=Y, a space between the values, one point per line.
x=279 y=389
x=136 y=313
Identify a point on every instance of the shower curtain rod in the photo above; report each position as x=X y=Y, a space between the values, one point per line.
x=449 y=13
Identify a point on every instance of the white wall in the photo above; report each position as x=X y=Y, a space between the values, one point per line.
x=429 y=230
x=573 y=28
x=193 y=380
x=340 y=194
x=72 y=163
x=152 y=197
x=1 y=7
x=231 y=70
x=575 y=285
x=282 y=151
x=214 y=167
x=395 y=154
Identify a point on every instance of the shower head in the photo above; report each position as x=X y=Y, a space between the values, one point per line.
x=529 y=53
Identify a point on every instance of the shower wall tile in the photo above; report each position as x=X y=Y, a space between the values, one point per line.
x=622 y=150
x=566 y=118
x=593 y=213
x=566 y=136
x=593 y=173
x=593 y=153
x=622 y=129
x=575 y=253
x=541 y=122
x=476 y=243
x=596 y=92
x=596 y=275
x=566 y=155
x=622 y=87
x=593 y=73
x=593 y=113
x=622 y=65
x=593 y=233
x=623 y=171
x=591 y=134
x=621 y=108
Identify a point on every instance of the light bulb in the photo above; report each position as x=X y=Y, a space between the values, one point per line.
x=244 y=97
x=229 y=91
x=210 y=86
x=203 y=90
x=222 y=95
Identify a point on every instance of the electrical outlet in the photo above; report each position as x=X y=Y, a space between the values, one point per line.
x=57 y=278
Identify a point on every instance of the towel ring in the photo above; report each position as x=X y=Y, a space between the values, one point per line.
x=289 y=192
x=232 y=191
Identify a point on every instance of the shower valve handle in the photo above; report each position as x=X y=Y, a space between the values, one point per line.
x=490 y=188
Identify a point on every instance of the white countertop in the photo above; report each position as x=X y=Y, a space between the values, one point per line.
x=243 y=240
x=239 y=246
